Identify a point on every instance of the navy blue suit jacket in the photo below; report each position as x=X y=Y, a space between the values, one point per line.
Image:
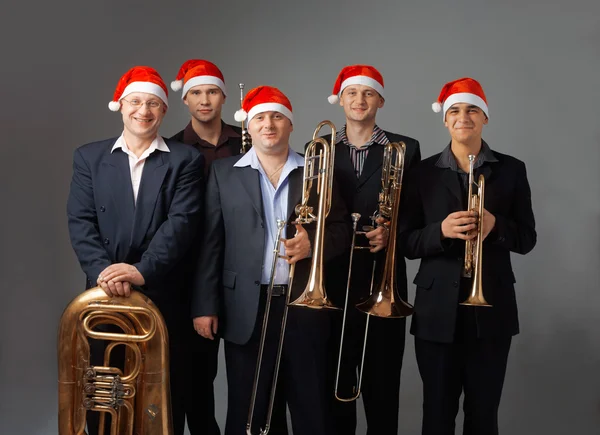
x=154 y=234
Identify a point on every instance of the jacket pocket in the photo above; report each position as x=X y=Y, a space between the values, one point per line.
x=423 y=281
x=229 y=279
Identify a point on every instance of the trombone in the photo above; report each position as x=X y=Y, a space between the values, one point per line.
x=474 y=247
x=384 y=301
x=318 y=164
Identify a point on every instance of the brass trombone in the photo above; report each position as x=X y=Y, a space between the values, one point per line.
x=384 y=301
x=137 y=398
x=318 y=164
x=474 y=247
x=246 y=139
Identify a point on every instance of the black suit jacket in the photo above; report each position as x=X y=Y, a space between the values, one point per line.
x=361 y=195
x=231 y=262
x=154 y=234
x=432 y=193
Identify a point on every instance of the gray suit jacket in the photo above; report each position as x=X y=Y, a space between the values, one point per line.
x=229 y=273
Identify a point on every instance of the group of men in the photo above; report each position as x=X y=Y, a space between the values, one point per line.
x=192 y=223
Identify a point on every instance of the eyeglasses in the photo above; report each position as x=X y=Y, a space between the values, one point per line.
x=152 y=104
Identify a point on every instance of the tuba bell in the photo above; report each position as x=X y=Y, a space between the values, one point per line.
x=474 y=247
x=137 y=397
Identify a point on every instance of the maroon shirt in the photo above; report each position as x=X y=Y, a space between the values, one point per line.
x=229 y=143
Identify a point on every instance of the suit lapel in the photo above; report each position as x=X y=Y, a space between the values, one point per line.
x=235 y=145
x=153 y=175
x=372 y=164
x=296 y=182
x=344 y=170
x=119 y=184
x=250 y=179
x=450 y=180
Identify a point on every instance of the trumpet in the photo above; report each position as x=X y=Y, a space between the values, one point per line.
x=474 y=247
x=138 y=397
x=384 y=301
x=246 y=139
x=318 y=164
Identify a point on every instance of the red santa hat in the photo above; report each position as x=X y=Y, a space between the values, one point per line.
x=465 y=90
x=356 y=75
x=139 y=79
x=196 y=72
x=264 y=99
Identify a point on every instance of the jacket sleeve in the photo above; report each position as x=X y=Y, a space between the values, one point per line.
x=83 y=221
x=207 y=280
x=415 y=239
x=175 y=235
x=517 y=231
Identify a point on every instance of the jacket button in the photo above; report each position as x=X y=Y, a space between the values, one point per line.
x=459 y=258
x=106 y=241
x=102 y=209
x=455 y=284
x=262 y=225
x=256 y=282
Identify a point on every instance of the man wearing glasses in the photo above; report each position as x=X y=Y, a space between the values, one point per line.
x=133 y=209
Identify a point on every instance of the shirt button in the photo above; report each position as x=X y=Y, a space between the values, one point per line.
x=106 y=241
x=102 y=208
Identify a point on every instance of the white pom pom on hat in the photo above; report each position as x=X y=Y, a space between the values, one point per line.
x=240 y=115
x=176 y=85
x=333 y=99
x=114 y=106
x=436 y=107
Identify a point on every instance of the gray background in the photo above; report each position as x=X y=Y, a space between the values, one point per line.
x=539 y=64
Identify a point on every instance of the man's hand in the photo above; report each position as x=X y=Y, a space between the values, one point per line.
x=117 y=278
x=489 y=222
x=378 y=238
x=206 y=326
x=457 y=224
x=298 y=247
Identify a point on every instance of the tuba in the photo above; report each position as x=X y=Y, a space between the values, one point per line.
x=474 y=247
x=384 y=301
x=137 y=397
x=314 y=295
x=246 y=139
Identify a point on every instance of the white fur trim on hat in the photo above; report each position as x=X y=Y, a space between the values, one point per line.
x=270 y=107
x=465 y=97
x=114 y=106
x=203 y=80
x=362 y=80
x=240 y=115
x=147 y=87
x=176 y=85
x=333 y=99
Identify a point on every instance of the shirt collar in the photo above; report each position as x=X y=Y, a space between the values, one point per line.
x=378 y=136
x=294 y=160
x=157 y=144
x=447 y=159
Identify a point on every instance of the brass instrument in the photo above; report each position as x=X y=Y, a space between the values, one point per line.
x=138 y=397
x=246 y=139
x=385 y=301
x=319 y=166
x=474 y=247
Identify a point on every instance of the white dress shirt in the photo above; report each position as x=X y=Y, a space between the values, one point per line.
x=136 y=165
